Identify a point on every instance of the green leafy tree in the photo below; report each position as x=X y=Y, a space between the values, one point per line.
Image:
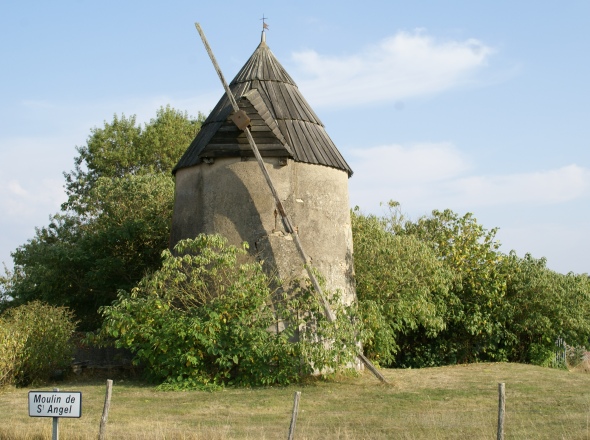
x=431 y=290
x=116 y=222
x=401 y=285
x=542 y=306
x=203 y=320
x=82 y=264
x=475 y=325
x=490 y=306
x=123 y=148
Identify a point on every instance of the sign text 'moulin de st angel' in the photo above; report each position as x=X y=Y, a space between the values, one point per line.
x=55 y=404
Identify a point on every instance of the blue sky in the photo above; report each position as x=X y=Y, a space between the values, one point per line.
x=479 y=107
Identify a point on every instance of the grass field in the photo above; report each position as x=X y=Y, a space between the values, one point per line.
x=458 y=402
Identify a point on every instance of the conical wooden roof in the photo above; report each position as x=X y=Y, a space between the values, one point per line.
x=283 y=124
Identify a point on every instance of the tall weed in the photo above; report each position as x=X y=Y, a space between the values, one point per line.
x=11 y=349
x=36 y=342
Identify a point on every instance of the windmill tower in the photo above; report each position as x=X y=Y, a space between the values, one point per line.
x=220 y=189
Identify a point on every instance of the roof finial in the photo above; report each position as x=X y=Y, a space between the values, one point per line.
x=264 y=27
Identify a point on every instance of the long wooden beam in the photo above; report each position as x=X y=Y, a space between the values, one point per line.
x=241 y=120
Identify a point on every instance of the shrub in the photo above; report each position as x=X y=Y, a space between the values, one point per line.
x=203 y=320
x=36 y=341
x=11 y=348
x=402 y=287
x=438 y=291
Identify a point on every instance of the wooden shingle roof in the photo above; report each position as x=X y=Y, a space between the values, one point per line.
x=283 y=124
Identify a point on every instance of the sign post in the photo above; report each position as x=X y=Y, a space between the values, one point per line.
x=55 y=404
x=55 y=430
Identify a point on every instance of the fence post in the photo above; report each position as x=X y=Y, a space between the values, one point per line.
x=105 y=410
x=501 y=410
x=294 y=415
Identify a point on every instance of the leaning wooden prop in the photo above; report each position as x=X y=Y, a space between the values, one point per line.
x=241 y=120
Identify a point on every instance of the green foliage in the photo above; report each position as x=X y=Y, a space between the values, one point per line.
x=433 y=291
x=82 y=264
x=542 y=306
x=36 y=341
x=575 y=356
x=203 y=320
x=401 y=285
x=123 y=148
x=542 y=355
x=474 y=326
x=11 y=348
x=438 y=291
x=116 y=222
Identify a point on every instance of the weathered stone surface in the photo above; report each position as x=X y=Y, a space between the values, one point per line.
x=230 y=197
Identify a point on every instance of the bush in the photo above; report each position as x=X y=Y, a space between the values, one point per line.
x=204 y=320
x=438 y=291
x=401 y=285
x=36 y=342
x=11 y=348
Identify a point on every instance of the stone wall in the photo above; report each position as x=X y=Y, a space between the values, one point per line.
x=231 y=197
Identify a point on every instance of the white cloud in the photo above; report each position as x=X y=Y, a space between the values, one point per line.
x=567 y=243
x=22 y=201
x=418 y=163
x=540 y=187
x=37 y=104
x=25 y=205
x=405 y=65
x=16 y=189
x=31 y=185
x=429 y=176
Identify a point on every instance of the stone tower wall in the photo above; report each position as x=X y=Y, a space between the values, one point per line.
x=232 y=198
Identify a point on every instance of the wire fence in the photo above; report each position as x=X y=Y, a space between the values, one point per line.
x=569 y=355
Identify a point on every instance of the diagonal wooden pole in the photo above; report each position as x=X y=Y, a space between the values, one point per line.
x=285 y=218
x=241 y=120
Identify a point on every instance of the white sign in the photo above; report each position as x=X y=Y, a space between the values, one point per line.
x=55 y=404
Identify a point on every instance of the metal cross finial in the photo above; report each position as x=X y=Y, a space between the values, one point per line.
x=264 y=25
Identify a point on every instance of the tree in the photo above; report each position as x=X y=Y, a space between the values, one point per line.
x=122 y=148
x=401 y=285
x=475 y=324
x=543 y=306
x=116 y=222
x=431 y=290
x=438 y=291
x=203 y=319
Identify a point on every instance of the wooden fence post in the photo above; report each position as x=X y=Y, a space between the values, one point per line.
x=294 y=415
x=105 y=410
x=501 y=410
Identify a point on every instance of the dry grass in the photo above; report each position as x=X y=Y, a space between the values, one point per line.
x=458 y=402
x=584 y=365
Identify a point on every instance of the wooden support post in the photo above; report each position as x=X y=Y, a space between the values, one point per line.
x=55 y=430
x=501 y=410
x=294 y=415
x=105 y=410
x=280 y=208
x=372 y=368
